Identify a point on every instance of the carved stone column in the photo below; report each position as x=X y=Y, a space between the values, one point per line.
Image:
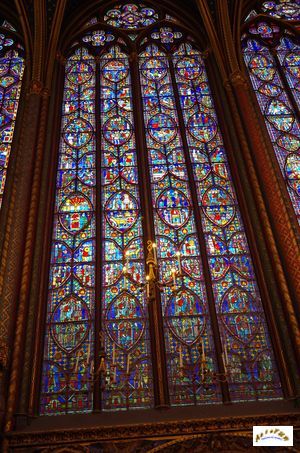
x=272 y=187
x=17 y=246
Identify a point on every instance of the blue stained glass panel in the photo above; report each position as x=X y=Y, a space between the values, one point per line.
x=69 y=345
x=242 y=325
x=124 y=307
x=187 y=328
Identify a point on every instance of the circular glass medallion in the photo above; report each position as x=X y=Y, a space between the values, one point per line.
x=6 y=81
x=189 y=68
x=270 y=89
x=75 y=213
x=289 y=142
x=80 y=73
x=280 y=115
x=154 y=69
x=115 y=71
x=173 y=207
x=117 y=130
x=262 y=67
x=162 y=128
x=218 y=206
x=121 y=211
x=70 y=323
x=202 y=127
x=78 y=133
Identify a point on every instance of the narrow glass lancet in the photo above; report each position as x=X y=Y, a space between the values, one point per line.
x=188 y=332
x=247 y=351
x=69 y=345
x=124 y=308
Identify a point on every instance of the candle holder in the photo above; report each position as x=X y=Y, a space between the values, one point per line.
x=152 y=281
x=204 y=374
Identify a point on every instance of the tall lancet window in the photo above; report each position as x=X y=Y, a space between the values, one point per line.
x=145 y=199
x=11 y=73
x=272 y=55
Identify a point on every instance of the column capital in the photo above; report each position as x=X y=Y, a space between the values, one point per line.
x=237 y=78
x=35 y=87
x=61 y=58
x=4 y=355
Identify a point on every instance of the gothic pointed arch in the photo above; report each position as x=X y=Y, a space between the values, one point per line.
x=141 y=158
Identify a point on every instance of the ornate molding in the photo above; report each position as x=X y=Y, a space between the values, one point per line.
x=237 y=79
x=61 y=58
x=37 y=87
x=204 y=443
x=4 y=355
x=233 y=426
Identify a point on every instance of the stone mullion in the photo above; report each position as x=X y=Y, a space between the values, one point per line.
x=12 y=163
x=28 y=189
x=32 y=364
x=158 y=351
x=284 y=235
x=36 y=258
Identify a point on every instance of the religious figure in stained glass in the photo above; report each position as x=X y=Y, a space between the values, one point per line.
x=213 y=322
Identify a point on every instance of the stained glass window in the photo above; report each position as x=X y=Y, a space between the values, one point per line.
x=186 y=316
x=69 y=346
x=241 y=321
x=131 y=16
x=273 y=61
x=100 y=336
x=126 y=323
x=283 y=9
x=11 y=73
